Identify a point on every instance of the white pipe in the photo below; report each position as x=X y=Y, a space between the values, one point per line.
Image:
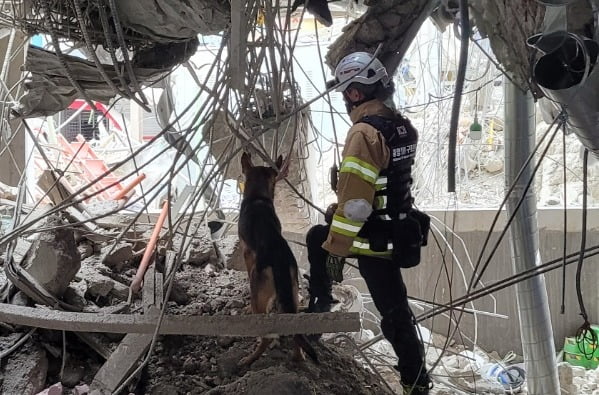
x=533 y=307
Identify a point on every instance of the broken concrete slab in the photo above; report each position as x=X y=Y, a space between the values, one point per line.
x=54 y=259
x=8 y=192
x=50 y=182
x=25 y=371
x=21 y=250
x=122 y=361
x=116 y=256
x=253 y=325
x=200 y=251
x=230 y=248
x=102 y=208
x=101 y=285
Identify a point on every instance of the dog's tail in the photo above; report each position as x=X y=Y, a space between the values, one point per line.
x=284 y=267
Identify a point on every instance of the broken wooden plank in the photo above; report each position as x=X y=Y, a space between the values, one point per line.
x=121 y=363
x=252 y=325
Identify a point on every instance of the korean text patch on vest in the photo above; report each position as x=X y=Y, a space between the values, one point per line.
x=404 y=152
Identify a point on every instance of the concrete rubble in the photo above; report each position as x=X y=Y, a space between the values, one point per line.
x=54 y=258
x=96 y=275
x=25 y=372
x=8 y=192
x=116 y=256
x=233 y=255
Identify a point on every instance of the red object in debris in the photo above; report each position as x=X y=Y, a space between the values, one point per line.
x=121 y=194
x=91 y=165
x=145 y=261
x=77 y=104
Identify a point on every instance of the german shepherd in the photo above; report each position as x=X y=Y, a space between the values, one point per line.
x=272 y=268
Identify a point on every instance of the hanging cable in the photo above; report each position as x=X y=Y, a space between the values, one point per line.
x=457 y=101
x=585 y=335
x=563 y=306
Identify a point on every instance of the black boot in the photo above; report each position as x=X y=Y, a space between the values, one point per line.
x=416 y=389
x=422 y=386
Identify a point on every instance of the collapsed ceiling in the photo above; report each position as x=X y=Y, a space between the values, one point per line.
x=128 y=44
x=160 y=34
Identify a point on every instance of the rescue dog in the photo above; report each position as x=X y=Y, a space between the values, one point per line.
x=271 y=266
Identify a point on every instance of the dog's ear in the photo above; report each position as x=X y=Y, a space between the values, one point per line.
x=246 y=162
x=279 y=161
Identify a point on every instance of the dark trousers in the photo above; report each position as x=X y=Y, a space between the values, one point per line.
x=388 y=291
x=320 y=283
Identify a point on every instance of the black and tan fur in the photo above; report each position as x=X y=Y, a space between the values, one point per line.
x=272 y=268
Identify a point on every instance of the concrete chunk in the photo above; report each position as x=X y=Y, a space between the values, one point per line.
x=117 y=256
x=54 y=259
x=25 y=371
x=199 y=252
x=231 y=249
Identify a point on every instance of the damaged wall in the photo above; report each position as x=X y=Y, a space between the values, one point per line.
x=472 y=227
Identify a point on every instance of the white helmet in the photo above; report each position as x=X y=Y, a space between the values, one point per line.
x=360 y=67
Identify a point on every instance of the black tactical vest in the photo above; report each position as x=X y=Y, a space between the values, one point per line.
x=401 y=138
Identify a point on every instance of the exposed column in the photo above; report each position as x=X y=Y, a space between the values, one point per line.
x=536 y=330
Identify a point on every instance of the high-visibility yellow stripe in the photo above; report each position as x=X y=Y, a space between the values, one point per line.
x=342 y=231
x=347 y=221
x=345 y=226
x=360 y=246
x=364 y=164
x=360 y=168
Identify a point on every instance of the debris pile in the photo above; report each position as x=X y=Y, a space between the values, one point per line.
x=88 y=266
x=210 y=364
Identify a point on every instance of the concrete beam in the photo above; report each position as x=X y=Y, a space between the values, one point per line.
x=132 y=348
x=121 y=363
x=253 y=325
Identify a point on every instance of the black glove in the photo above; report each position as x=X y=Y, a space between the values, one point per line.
x=335 y=267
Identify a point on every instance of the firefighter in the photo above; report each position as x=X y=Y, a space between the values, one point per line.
x=374 y=220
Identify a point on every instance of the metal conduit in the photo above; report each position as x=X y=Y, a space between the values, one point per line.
x=533 y=307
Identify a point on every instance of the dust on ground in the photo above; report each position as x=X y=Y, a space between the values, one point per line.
x=199 y=364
